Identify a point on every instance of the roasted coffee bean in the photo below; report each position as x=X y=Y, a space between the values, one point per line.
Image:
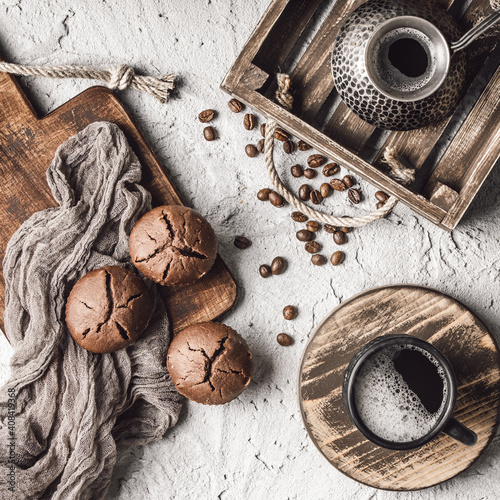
x=284 y=339
x=235 y=106
x=381 y=196
x=349 y=180
x=337 y=258
x=206 y=116
x=251 y=150
x=304 y=235
x=329 y=228
x=338 y=185
x=313 y=226
x=312 y=246
x=380 y=204
x=330 y=169
x=281 y=135
x=304 y=192
x=345 y=229
x=299 y=217
x=265 y=271
x=315 y=161
x=339 y=237
x=325 y=190
x=260 y=146
x=289 y=312
x=309 y=173
x=263 y=130
x=209 y=133
x=249 y=121
x=303 y=146
x=241 y=242
x=354 y=195
x=276 y=199
x=316 y=197
x=318 y=260
x=278 y=265
x=297 y=171
x=263 y=194
x=288 y=147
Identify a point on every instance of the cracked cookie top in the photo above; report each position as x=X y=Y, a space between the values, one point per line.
x=210 y=363
x=173 y=245
x=108 y=309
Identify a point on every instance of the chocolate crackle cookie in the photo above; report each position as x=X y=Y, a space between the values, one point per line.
x=210 y=363
x=173 y=245
x=108 y=309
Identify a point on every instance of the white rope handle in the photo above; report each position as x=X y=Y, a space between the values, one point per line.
x=116 y=77
x=401 y=171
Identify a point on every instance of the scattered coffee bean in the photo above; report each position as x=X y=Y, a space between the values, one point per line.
x=345 y=229
x=263 y=194
x=276 y=199
x=329 y=228
x=338 y=185
x=284 y=339
x=235 y=106
x=263 y=130
x=330 y=169
x=288 y=147
x=265 y=271
x=278 y=265
x=241 y=242
x=315 y=161
x=312 y=246
x=303 y=146
x=281 y=135
x=318 y=259
x=260 y=146
x=297 y=171
x=309 y=173
x=325 y=190
x=299 y=217
x=339 y=237
x=380 y=204
x=209 y=133
x=304 y=192
x=337 y=258
x=354 y=195
x=381 y=196
x=206 y=116
x=312 y=225
x=251 y=150
x=349 y=181
x=304 y=235
x=289 y=312
x=316 y=197
x=249 y=121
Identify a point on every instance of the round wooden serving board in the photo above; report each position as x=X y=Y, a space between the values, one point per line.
x=423 y=313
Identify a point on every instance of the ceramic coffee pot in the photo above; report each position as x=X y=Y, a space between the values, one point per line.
x=394 y=63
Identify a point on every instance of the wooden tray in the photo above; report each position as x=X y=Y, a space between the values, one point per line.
x=27 y=147
x=442 y=191
x=423 y=313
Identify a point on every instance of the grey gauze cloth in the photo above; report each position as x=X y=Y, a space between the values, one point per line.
x=72 y=406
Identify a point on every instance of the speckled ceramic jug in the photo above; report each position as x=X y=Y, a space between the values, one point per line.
x=392 y=63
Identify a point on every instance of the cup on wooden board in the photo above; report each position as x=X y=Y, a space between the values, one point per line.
x=400 y=392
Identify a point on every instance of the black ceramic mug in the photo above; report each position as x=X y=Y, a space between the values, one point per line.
x=398 y=344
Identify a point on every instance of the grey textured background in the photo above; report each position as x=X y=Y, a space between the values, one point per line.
x=256 y=446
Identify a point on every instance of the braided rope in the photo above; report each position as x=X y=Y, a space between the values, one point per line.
x=116 y=77
x=284 y=98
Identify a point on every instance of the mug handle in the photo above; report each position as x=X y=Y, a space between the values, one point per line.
x=458 y=431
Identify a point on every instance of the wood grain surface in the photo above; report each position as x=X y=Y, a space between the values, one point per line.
x=27 y=146
x=423 y=313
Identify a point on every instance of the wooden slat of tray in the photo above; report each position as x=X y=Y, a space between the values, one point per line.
x=27 y=146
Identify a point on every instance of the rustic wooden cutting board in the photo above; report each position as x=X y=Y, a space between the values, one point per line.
x=423 y=313
x=27 y=146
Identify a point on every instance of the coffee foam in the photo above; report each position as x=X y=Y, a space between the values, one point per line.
x=390 y=74
x=385 y=403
